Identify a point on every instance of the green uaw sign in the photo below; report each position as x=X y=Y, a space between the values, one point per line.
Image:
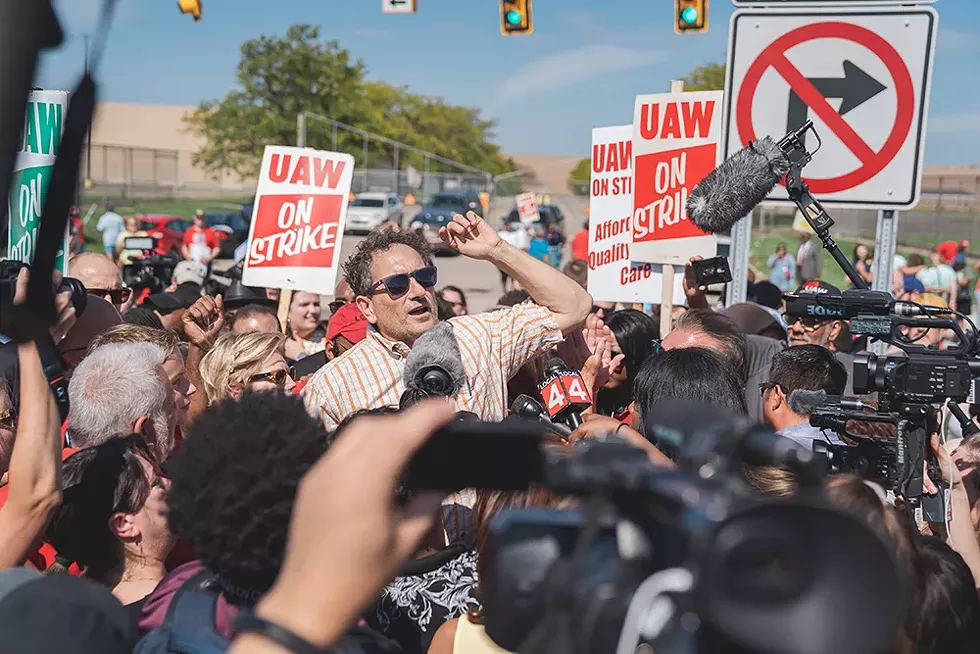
x=39 y=143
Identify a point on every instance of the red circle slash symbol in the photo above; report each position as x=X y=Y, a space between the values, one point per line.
x=774 y=55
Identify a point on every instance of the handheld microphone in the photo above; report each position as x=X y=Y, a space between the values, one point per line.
x=434 y=367
x=564 y=393
x=527 y=407
x=805 y=402
x=734 y=188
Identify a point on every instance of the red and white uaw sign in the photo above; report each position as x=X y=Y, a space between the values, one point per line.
x=675 y=144
x=298 y=221
x=862 y=77
x=613 y=275
x=527 y=208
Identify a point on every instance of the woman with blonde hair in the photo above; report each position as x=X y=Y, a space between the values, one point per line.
x=239 y=362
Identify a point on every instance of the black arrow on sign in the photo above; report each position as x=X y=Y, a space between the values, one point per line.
x=854 y=89
x=395 y=3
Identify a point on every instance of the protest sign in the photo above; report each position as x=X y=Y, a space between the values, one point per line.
x=298 y=223
x=36 y=153
x=527 y=208
x=675 y=145
x=613 y=276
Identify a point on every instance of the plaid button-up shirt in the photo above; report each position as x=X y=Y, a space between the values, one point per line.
x=493 y=347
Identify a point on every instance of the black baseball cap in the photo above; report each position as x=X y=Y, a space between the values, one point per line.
x=182 y=297
x=817 y=287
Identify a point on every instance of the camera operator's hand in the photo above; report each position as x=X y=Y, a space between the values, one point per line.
x=64 y=309
x=696 y=299
x=347 y=539
x=204 y=320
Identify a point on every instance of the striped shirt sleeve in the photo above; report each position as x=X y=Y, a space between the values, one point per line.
x=519 y=333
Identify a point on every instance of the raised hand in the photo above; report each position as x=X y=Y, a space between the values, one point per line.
x=471 y=236
x=204 y=320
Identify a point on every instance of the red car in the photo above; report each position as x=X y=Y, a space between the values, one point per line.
x=170 y=232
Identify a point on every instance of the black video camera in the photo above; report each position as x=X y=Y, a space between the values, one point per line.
x=151 y=271
x=589 y=579
x=9 y=271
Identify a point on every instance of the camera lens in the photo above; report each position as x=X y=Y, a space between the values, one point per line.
x=865 y=369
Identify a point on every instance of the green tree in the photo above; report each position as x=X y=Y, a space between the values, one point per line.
x=710 y=77
x=279 y=77
x=578 y=178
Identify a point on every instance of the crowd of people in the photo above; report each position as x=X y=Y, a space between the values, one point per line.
x=229 y=479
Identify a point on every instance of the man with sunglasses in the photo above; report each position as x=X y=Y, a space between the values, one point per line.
x=816 y=331
x=102 y=278
x=393 y=277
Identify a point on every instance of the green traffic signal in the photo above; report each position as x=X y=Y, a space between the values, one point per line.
x=689 y=15
x=514 y=17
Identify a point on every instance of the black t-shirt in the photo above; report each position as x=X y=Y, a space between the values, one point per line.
x=426 y=593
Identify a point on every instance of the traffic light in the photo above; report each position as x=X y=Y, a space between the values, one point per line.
x=192 y=7
x=515 y=17
x=690 y=16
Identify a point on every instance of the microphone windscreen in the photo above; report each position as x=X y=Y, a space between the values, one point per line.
x=803 y=402
x=734 y=188
x=436 y=348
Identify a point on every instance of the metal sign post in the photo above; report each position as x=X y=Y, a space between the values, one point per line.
x=738 y=259
x=886 y=234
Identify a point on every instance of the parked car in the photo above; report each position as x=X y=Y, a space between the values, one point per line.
x=439 y=210
x=548 y=213
x=168 y=230
x=368 y=210
x=232 y=229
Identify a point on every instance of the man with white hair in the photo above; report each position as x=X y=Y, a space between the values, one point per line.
x=123 y=389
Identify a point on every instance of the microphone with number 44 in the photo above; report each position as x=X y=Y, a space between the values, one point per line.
x=564 y=393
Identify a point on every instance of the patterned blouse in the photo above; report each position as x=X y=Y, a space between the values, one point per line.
x=426 y=593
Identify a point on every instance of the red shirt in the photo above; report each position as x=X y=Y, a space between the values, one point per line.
x=42 y=557
x=201 y=236
x=947 y=250
x=580 y=245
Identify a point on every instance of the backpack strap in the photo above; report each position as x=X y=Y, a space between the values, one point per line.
x=191 y=616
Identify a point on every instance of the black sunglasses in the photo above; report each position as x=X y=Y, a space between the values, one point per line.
x=335 y=305
x=398 y=285
x=113 y=295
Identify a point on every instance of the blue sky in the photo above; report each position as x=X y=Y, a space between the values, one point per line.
x=581 y=68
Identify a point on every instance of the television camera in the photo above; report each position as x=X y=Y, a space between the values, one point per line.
x=151 y=270
x=908 y=387
x=684 y=559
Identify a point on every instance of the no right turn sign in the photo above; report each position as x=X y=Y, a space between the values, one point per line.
x=861 y=76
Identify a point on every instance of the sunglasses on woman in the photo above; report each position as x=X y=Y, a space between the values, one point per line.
x=398 y=285
x=277 y=377
x=113 y=295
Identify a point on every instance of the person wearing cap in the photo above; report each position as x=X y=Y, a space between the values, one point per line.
x=109 y=225
x=171 y=305
x=200 y=241
x=347 y=328
x=825 y=332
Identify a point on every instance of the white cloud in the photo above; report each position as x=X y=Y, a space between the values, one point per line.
x=370 y=33
x=568 y=68
x=953 y=40
x=954 y=124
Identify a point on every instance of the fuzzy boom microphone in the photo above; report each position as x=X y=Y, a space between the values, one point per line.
x=434 y=367
x=734 y=188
